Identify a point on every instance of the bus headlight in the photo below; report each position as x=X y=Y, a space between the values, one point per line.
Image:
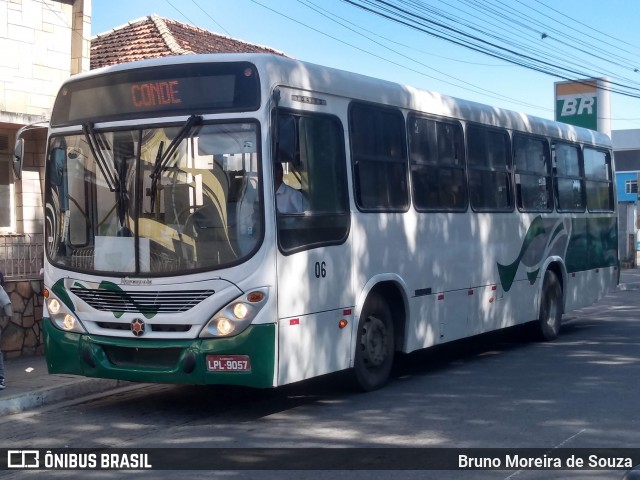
x=68 y=322
x=61 y=317
x=54 y=306
x=224 y=326
x=236 y=316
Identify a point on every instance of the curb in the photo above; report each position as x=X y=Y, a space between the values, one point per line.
x=624 y=287
x=46 y=396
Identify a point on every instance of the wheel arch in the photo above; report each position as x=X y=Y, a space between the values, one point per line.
x=558 y=267
x=392 y=288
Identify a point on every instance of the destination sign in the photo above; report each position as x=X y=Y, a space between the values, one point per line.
x=174 y=89
x=155 y=93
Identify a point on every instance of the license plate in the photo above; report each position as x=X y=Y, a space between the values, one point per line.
x=228 y=363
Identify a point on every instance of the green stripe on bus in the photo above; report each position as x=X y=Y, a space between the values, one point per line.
x=68 y=353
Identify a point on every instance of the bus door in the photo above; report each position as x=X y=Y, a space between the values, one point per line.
x=314 y=252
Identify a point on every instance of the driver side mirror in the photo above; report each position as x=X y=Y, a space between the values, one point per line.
x=18 y=156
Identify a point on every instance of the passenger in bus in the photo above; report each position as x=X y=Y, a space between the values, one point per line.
x=288 y=199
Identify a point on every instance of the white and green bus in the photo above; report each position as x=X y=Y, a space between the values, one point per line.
x=420 y=219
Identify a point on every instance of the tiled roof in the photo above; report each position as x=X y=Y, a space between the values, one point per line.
x=153 y=37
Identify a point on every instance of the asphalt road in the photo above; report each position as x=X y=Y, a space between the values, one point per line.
x=492 y=391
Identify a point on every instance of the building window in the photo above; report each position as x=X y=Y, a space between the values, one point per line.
x=631 y=187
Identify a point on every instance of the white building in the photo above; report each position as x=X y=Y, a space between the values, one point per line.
x=42 y=42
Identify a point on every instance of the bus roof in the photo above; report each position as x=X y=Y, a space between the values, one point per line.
x=284 y=71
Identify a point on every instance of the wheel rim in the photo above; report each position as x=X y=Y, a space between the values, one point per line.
x=373 y=342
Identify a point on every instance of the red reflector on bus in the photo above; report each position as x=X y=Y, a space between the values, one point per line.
x=441 y=297
x=294 y=321
x=469 y=292
x=346 y=311
x=494 y=288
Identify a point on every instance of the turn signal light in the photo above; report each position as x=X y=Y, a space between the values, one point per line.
x=255 y=297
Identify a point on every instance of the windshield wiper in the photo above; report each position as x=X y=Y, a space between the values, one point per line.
x=96 y=150
x=163 y=158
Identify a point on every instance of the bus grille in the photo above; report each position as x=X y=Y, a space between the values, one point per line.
x=165 y=358
x=145 y=302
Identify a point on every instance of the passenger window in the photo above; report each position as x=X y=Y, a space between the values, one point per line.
x=569 y=182
x=597 y=172
x=313 y=165
x=378 y=154
x=489 y=161
x=437 y=165
x=532 y=164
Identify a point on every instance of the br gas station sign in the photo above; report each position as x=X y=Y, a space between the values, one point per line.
x=584 y=103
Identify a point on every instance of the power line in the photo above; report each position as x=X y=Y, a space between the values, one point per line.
x=593 y=47
x=212 y=19
x=513 y=19
x=475 y=87
x=404 y=45
x=591 y=28
x=181 y=13
x=368 y=52
x=454 y=35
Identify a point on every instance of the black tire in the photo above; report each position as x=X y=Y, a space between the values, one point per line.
x=374 y=345
x=547 y=327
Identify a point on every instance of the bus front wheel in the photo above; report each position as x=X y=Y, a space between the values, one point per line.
x=374 y=344
x=548 y=324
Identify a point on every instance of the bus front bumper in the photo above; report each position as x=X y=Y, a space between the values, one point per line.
x=207 y=361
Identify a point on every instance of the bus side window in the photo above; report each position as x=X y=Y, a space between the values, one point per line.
x=318 y=170
x=378 y=154
x=532 y=166
x=489 y=161
x=437 y=165
x=599 y=183
x=569 y=181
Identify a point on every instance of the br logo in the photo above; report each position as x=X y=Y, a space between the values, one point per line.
x=578 y=106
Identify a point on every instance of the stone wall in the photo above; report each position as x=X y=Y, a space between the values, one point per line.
x=22 y=332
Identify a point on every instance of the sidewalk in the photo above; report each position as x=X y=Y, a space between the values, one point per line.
x=30 y=386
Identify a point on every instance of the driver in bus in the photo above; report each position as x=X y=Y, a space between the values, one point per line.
x=288 y=199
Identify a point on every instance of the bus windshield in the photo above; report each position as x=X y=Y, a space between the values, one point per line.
x=147 y=201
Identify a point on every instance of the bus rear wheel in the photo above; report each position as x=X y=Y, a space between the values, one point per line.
x=374 y=345
x=548 y=325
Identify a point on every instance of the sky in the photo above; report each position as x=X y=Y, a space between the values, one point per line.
x=596 y=37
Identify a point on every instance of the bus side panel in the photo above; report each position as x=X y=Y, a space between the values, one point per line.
x=314 y=291
x=592 y=260
x=312 y=345
x=438 y=318
x=452 y=309
x=587 y=287
x=424 y=328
